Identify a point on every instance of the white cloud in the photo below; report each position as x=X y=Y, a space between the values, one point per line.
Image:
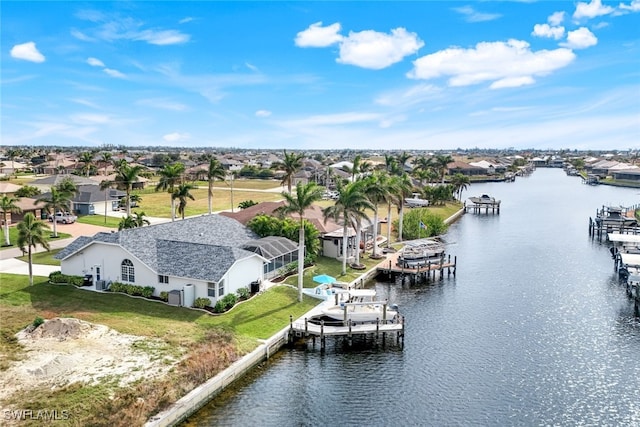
x=252 y=67
x=163 y=104
x=503 y=64
x=95 y=62
x=90 y=119
x=471 y=15
x=28 y=52
x=263 y=113
x=545 y=30
x=556 y=18
x=581 y=38
x=176 y=137
x=114 y=73
x=162 y=38
x=185 y=20
x=634 y=6
x=81 y=36
x=591 y=10
x=318 y=36
x=374 y=50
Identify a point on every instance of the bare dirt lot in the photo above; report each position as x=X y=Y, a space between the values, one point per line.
x=64 y=351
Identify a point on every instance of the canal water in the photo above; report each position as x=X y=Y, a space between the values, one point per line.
x=534 y=330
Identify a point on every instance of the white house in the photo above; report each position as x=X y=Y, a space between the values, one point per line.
x=202 y=257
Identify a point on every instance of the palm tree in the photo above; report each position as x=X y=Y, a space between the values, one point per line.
x=404 y=189
x=86 y=159
x=350 y=204
x=56 y=200
x=182 y=193
x=140 y=220
x=8 y=206
x=297 y=203
x=126 y=176
x=214 y=172
x=30 y=234
x=441 y=162
x=460 y=183
x=402 y=160
x=127 y=222
x=170 y=176
x=355 y=169
x=377 y=191
x=106 y=159
x=291 y=164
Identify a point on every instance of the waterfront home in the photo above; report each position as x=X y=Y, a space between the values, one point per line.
x=208 y=256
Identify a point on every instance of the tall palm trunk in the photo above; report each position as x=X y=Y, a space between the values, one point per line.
x=31 y=266
x=300 y=257
x=358 y=240
x=374 y=254
x=344 y=248
x=210 y=197
x=55 y=221
x=173 y=209
x=7 y=242
x=400 y=221
x=389 y=224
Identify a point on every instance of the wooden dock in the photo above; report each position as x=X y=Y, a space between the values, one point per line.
x=622 y=221
x=421 y=273
x=478 y=206
x=377 y=331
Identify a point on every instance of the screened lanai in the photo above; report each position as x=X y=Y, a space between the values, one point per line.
x=278 y=251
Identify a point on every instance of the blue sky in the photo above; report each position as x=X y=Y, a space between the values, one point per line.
x=313 y=75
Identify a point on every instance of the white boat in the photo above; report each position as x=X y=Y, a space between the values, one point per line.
x=361 y=307
x=419 y=253
x=485 y=199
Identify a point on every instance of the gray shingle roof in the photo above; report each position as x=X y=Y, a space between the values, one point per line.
x=201 y=247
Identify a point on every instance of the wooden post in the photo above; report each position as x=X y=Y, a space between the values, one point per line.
x=349 y=335
x=322 y=338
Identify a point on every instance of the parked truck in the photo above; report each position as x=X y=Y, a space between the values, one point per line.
x=63 y=217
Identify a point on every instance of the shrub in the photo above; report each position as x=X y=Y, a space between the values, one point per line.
x=164 y=296
x=202 y=302
x=58 y=277
x=219 y=307
x=226 y=303
x=37 y=321
x=243 y=293
x=147 y=291
x=117 y=287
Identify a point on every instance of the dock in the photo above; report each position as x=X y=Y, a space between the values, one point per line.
x=626 y=262
x=376 y=331
x=425 y=272
x=477 y=204
x=613 y=220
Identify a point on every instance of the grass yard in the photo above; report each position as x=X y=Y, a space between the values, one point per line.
x=13 y=235
x=45 y=257
x=112 y=222
x=250 y=184
x=331 y=267
x=158 y=204
x=190 y=330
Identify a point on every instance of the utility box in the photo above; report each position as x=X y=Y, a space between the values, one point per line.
x=175 y=298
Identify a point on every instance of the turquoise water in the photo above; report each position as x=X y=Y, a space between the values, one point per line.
x=534 y=330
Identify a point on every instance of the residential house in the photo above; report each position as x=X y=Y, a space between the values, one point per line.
x=464 y=169
x=208 y=256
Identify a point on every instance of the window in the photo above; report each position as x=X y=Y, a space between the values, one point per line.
x=163 y=279
x=220 y=288
x=211 y=289
x=127 y=270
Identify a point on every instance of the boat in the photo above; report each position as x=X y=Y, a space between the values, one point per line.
x=485 y=199
x=613 y=217
x=361 y=307
x=419 y=253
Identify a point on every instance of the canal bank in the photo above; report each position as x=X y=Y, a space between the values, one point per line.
x=535 y=329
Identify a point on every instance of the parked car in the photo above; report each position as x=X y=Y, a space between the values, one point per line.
x=63 y=217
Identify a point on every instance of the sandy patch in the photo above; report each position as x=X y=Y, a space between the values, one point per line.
x=64 y=351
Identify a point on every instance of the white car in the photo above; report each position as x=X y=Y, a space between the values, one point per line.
x=63 y=217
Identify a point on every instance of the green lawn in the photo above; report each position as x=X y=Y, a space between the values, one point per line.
x=331 y=267
x=45 y=257
x=112 y=222
x=13 y=235
x=251 y=184
x=158 y=204
x=181 y=328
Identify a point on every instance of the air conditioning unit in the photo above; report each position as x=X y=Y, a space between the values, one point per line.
x=101 y=285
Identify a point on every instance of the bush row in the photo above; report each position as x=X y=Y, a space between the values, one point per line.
x=58 y=277
x=134 y=290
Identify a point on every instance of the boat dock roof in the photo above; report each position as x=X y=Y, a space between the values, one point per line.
x=623 y=238
x=630 y=259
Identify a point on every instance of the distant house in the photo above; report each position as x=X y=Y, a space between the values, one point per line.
x=202 y=257
x=627 y=175
x=91 y=200
x=45 y=184
x=464 y=169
